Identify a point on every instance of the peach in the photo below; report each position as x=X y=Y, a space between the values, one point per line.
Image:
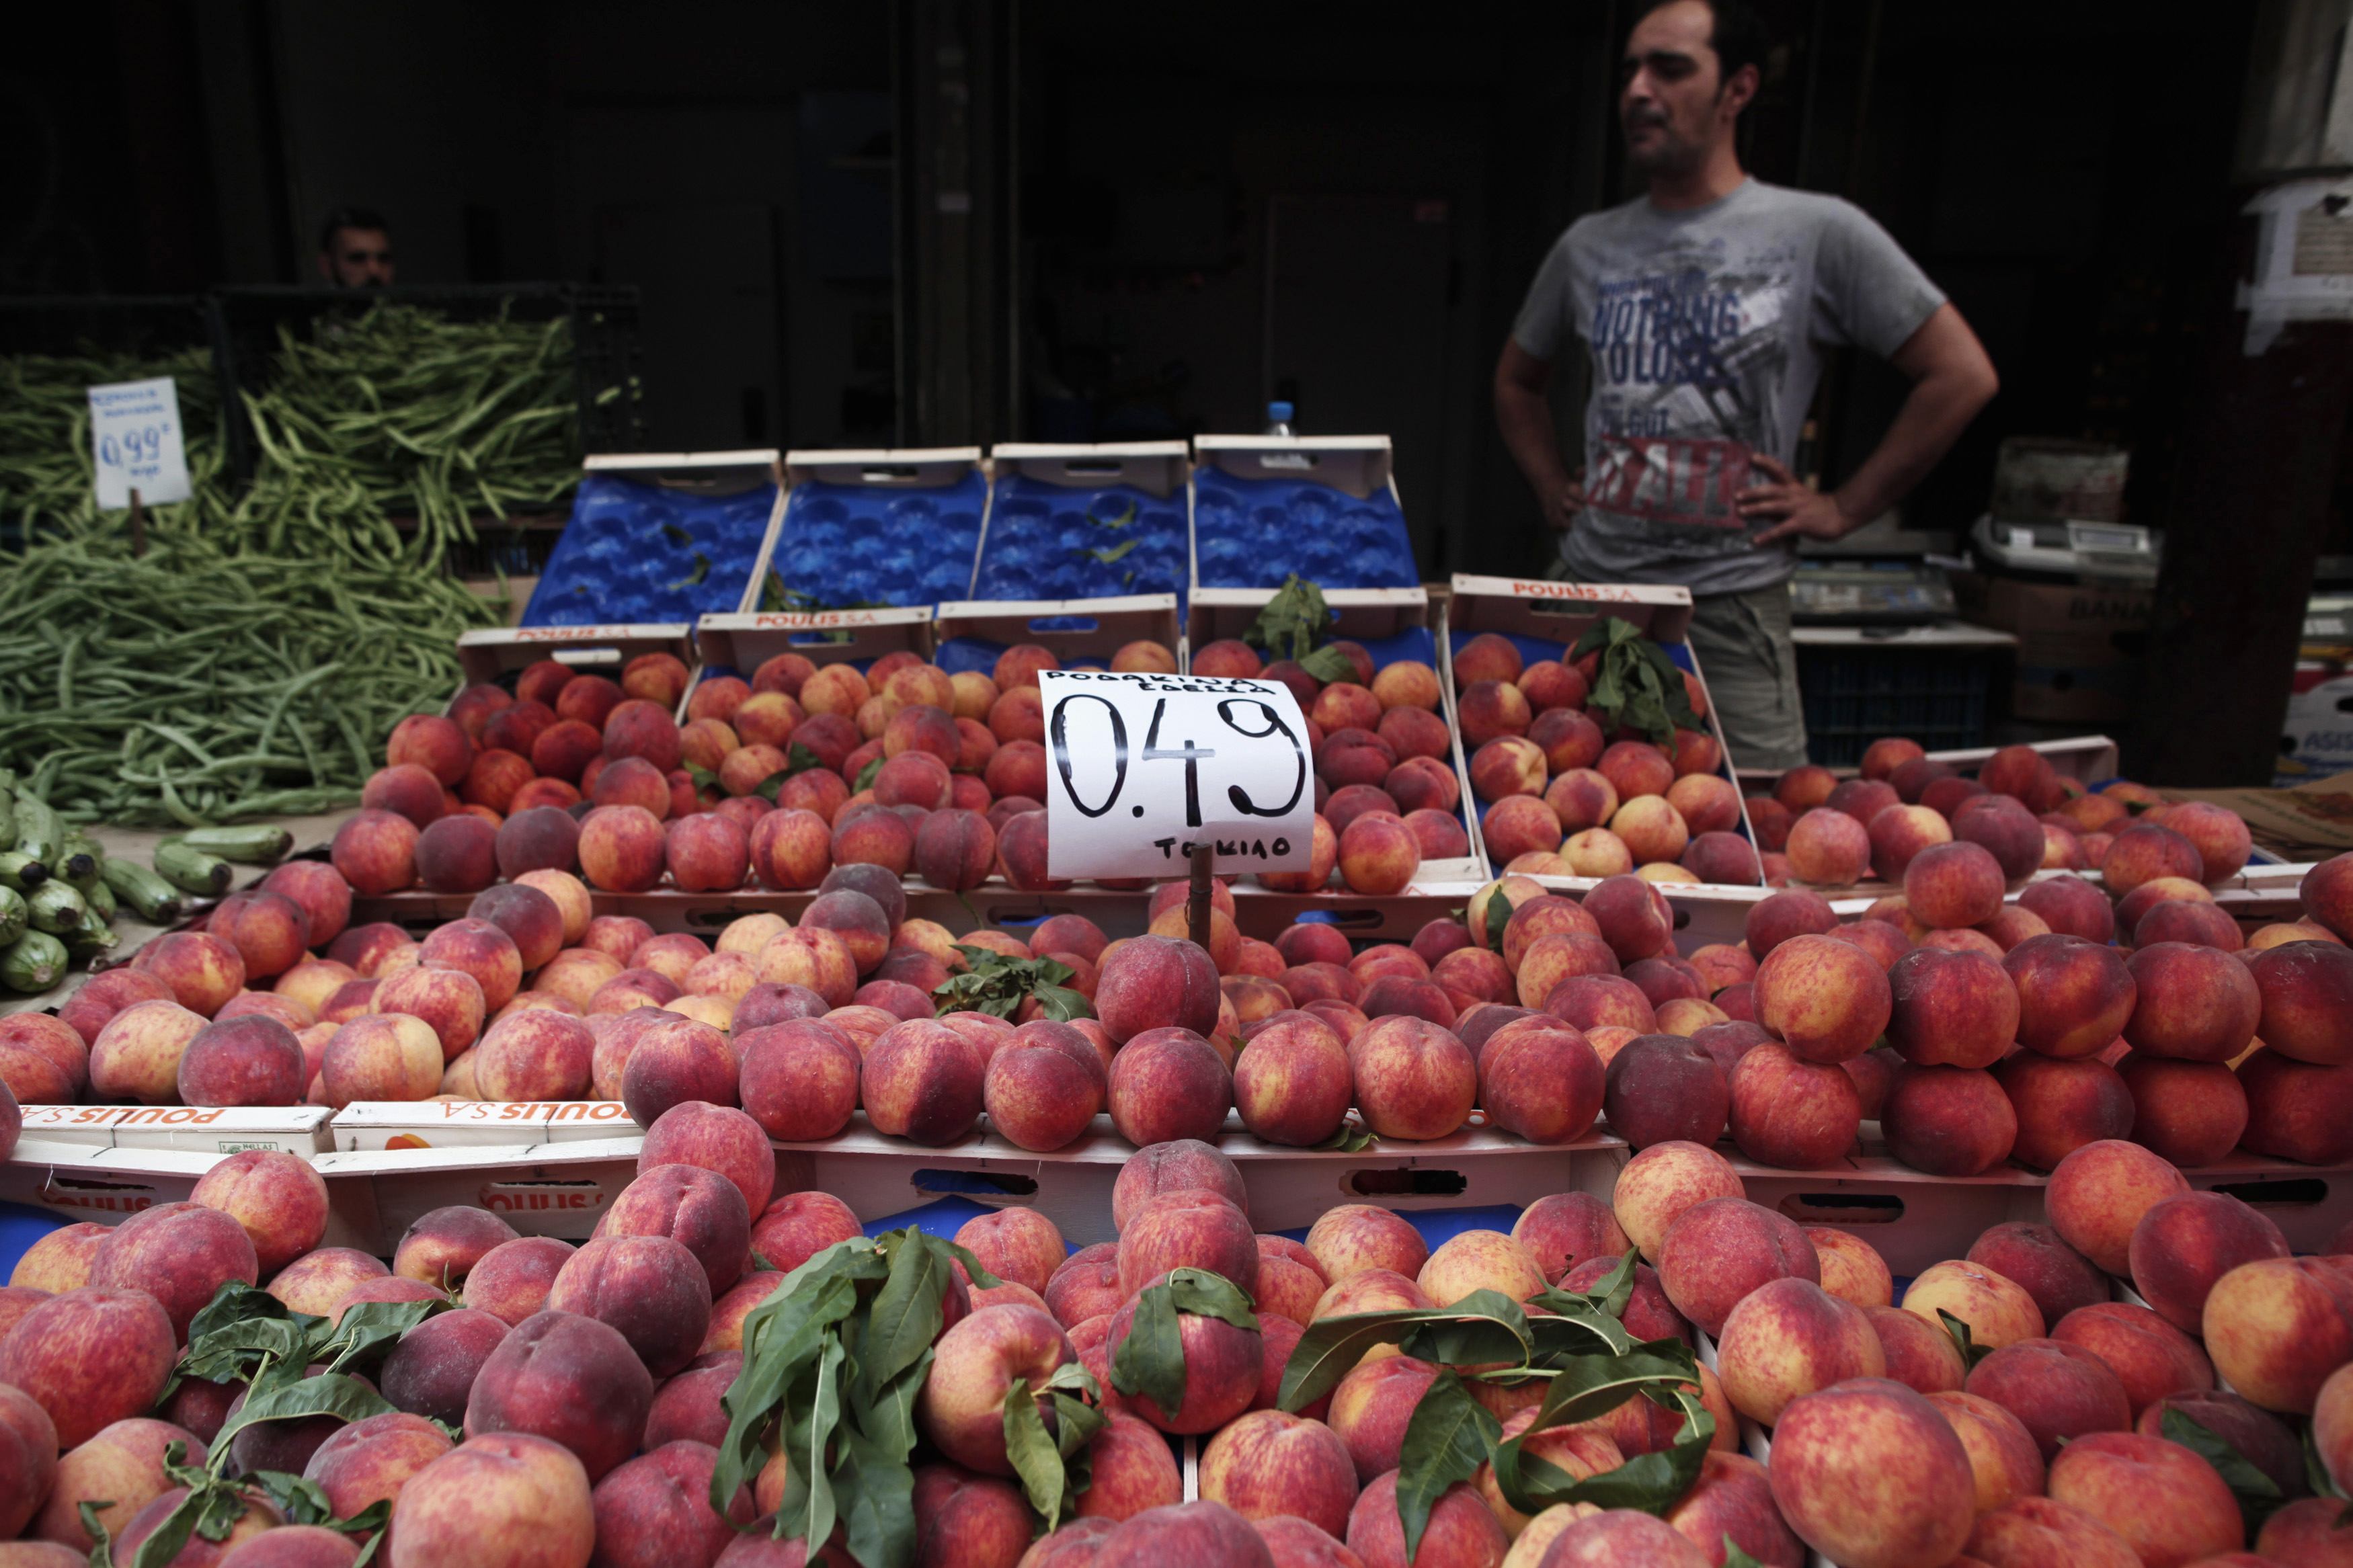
x=1293 y=1083
x=1719 y=1250
x=248 y=1060
x=1662 y=1183
x=384 y=1055
x=2192 y=1113
x=1949 y=1121
x=1651 y=829
x=2006 y=830
x=1797 y=1114
x=542 y=838
x=477 y=948
x=2099 y=1194
x=1952 y=885
x=118 y=1470
x=1543 y=1083
x=1869 y=1472
x=674 y=1061
x=318 y=1282
x=1186 y=1229
x=2296 y=1110
x=2032 y=1531
x=1186 y=1165
x=797 y=1227
x=1997 y=1310
x=2307 y=995
x=649 y=1288
x=2183 y=1244
x=962 y=1403
x=1852 y=1268
x=1663 y=1088
x=622 y=849
x=2005 y=1461
x=2194 y=1004
x=566 y=1378
x=93 y=1356
x=258 y=1518
x=2324 y=893
x=202 y=969
x=1222 y=1367
x=2199 y=923
x=1356 y=1238
x=1788 y=1338
x=1153 y=981
x=2074 y=996
x=1828 y=848
x=449 y=1001
x=2168 y=1505
x=1826 y=1000
x=1951 y=1009
x=1414 y=1078
x=1733 y=1500
x=2059 y=1277
x=1921 y=1357
x=1636 y=768
x=2149 y=1357
x=1379 y=856
x=508 y=1498
x=278 y=1200
x=535 y=1055
x=1371 y=1407
x=2062 y=1105
x=1778 y=917
x=2146 y=851
x=180 y=1254
x=2059 y=1391
x=1461 y=1529
x=432 y=1368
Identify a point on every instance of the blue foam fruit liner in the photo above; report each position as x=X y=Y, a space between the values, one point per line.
x=1252 y=533
x=859 y=544
x=639 y=553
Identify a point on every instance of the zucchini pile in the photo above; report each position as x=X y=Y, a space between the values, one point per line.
x=60 y=892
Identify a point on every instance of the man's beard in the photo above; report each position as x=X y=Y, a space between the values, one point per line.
x=1668 y=154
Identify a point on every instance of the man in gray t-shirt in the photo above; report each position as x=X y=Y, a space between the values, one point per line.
x=1704 y=309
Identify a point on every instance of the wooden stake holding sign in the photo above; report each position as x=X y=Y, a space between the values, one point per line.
x=1148 y=774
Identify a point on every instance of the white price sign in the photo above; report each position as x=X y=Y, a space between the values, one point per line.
x=134 y=438
x=1142 y=768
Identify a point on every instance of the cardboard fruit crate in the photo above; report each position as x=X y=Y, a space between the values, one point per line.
x=2090 y=758
x=211 y=1130
x=1544 y=619
x=1083 y=634
x=878 y=1176
x=558 y=1189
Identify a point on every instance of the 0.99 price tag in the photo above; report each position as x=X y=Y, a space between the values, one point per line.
x=1141 y=768
x=135 y=443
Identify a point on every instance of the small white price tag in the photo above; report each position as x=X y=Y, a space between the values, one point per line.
x=134 y=437
x=1141 y=768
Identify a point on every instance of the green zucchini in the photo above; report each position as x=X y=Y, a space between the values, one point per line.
x=32 y=963
x=21 y=871
x=12 y=915
x=55 y=907
x=8 y=817
x=79 y=861
x=259 y=844
x=39 y=833
x=92 y=935
x=154 y=901
x=100 y=899
x=191 y=871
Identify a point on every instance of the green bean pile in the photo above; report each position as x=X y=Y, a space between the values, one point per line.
x=404 y=413
x=191 y=686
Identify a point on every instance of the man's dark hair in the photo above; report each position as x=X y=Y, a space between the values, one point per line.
x=1739 y=36
x=368 y=217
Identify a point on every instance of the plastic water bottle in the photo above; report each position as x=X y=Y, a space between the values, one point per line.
x=1278 y=420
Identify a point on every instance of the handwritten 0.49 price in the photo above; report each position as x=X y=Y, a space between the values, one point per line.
x=1142 y=768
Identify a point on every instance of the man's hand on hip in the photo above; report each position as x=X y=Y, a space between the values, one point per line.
x=1561 y=507
x=1804 y=511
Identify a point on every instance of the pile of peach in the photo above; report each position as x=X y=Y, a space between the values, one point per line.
x=1386 y=795
x=2018 y=1036
x=1567 y=798
x=1818 y=830
x=502 y=784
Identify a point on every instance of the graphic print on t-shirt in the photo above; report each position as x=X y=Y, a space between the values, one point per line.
x=1688 y=357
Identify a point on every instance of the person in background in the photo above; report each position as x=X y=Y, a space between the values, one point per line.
x=355 y=249
x=1704 y=307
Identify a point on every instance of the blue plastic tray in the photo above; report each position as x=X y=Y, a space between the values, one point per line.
x=859 y=544
x=640 y=552
x=1252 y=533
x=20 y=1226
x=1040 y=535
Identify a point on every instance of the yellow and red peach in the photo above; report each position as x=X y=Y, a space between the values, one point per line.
x=1789 y=1338
x=1826 y=1000
x=2004 y=1460
x=93 y=1356
x=2099 y=1194
x=2194 y=1004
x=1996 y=1309
x=2167 y=1504
x=2059 y=1277
x=2062 y=1105
x=2183 y=1244
x=2059 y=1390
x=1869 y=1471
x=2075 y=997
x=1719 y=1250
x=1828 y=848
x=1948 y=1121
x=1920 y=1356
x=1799 y=1115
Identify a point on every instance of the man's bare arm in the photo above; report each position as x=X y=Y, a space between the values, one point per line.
x=1523 y=411
x=1952 y=379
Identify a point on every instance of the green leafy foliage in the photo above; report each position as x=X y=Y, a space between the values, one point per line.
x=1448 y=1437
x=997 y=984
x=1294 y=624
x=701 y=570
x=1151 y=1359
x=1736 y=1558
x=832 y=1363
x=2259 y=1496
x=799 y=759
x=1051 y=1465
x=1120 y=519
x=1637 y=684
x=1579 y=1350
x=1352 y=1138
x=1112 y=554
x=1971 y=1351
x=866 y=775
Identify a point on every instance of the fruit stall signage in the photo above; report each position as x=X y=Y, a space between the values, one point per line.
x=135 y=443
x=1140 y=768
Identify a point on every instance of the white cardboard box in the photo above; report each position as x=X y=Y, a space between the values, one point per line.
x=211 y=1130
x=411 y=1124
